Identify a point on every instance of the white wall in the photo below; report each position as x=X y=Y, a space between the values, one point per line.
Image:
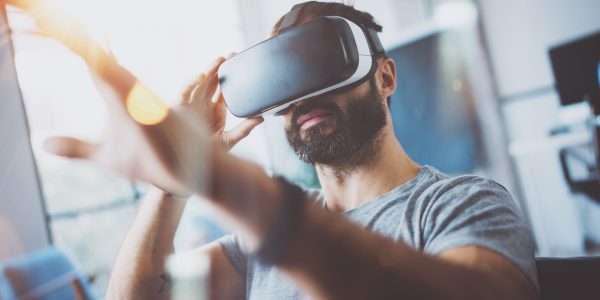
x=518 y=35
x=22 y=225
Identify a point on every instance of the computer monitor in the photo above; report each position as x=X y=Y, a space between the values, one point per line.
x=577 y=70
x=576 y=66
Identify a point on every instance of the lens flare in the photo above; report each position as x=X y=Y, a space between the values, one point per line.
x=144 y=106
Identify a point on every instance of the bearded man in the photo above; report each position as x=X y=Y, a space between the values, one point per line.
x=381 y=227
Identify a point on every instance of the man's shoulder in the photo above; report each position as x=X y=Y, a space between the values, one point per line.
x=434 y=187
x=443 y=183
x=445 y=190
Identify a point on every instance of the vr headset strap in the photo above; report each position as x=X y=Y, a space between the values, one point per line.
x=374 y=41
x=291 y=17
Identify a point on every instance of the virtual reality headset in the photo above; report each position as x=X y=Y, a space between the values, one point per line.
x=327 y=54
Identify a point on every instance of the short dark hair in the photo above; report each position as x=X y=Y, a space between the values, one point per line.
x=315 y=9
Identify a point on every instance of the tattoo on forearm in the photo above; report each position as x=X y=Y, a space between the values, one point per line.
x=166 y=281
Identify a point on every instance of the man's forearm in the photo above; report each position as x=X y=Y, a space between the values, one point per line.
x=333 y=258
x=140 y=262
x=329 y=256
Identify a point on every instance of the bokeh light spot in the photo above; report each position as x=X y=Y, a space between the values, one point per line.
x=144 y=106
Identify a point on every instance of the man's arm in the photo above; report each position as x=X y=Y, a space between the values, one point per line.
x=139 y=270
x=140 y=261
x=500 y=270
x=335 y=259
x=328 y=256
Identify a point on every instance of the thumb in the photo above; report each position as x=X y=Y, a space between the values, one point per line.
x=69 y=147
x=233 y=136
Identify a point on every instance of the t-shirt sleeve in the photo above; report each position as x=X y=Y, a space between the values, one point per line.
x=480 y=212
x=235 y=252
x=236 y=249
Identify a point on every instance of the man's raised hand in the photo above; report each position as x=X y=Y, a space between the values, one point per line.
x=145 y=140
x=214 y=110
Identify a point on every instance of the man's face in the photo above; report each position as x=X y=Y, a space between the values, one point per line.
x=333 y=127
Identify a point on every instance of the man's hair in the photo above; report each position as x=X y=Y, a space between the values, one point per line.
x=315 y=9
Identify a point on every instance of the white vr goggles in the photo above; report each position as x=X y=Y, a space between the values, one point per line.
x=327 y=54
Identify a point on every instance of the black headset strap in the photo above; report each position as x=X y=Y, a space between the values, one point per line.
x=291 y=17
x=374 y=41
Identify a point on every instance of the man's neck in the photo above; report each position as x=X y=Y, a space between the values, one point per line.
x=347 y=185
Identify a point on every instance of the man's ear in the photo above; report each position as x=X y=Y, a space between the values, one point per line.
x=386 y=73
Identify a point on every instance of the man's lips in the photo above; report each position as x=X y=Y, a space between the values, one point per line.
x=312 y=117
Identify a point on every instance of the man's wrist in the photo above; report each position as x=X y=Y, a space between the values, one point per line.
x=276 y=240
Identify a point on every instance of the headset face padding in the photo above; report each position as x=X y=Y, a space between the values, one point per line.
x=320 y=56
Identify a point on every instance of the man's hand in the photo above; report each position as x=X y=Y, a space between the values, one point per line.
x=145 y=140
x=214 y=111
x=170 y=148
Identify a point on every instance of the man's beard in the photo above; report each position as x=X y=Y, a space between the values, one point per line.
x=353 y=141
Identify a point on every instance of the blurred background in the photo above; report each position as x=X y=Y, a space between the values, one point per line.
x=477 y=93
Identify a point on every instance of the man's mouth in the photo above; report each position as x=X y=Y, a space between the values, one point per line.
x=313 y=117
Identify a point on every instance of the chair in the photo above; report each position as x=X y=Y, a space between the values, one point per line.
x=569 y=278
x=46 y=274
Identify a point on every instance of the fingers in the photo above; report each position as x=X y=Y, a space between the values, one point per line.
x=23 y=4
x=204 y=85
x=219 y=110
x=231 y=54
x=187 y=93
x=219 y=98
x=69 y=147
x=211 y=88
x=233 y=136
x=212 y=80
x=215 y=66
x=219 y=107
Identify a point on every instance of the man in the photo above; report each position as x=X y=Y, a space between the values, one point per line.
x=446 y=237
x=382 y=227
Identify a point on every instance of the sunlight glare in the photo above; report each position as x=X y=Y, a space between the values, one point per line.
x=144 y=106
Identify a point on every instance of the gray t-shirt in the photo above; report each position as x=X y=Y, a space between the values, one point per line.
x=432 y=213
